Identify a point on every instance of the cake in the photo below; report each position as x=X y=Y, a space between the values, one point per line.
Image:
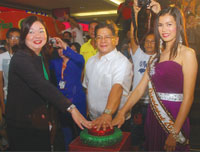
x=101 y=138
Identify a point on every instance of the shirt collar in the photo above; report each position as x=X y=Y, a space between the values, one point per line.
x=109 y=55
x=88 y=42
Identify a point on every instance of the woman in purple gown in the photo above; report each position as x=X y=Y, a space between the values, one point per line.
x=170 y=76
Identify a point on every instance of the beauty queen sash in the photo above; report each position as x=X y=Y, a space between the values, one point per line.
x=162 y=115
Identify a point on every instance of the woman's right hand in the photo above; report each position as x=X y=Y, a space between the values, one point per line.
x=119 y=119
x=80 y=120
x=60 y=43
x=61 y=46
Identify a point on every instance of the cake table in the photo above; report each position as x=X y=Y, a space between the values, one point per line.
x=124 y=145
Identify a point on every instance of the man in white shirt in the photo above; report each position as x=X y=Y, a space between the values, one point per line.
x=108 y=77
x=12 y=38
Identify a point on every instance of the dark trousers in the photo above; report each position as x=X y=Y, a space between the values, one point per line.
x=126 y=127
x=28 y=139
x=138 y=117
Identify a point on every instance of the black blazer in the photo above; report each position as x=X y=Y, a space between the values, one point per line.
x=29 y=93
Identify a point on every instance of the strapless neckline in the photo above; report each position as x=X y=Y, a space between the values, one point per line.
x=169 y=61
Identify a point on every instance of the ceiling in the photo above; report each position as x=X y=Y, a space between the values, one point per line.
x=76 y=6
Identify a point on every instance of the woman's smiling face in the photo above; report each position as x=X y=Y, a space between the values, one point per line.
x=36 y=37
x=167 y=28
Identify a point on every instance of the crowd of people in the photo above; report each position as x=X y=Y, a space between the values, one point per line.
x=52 y=88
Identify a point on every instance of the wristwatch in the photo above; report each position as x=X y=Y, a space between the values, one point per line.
x=107 y=111
x=72 y=106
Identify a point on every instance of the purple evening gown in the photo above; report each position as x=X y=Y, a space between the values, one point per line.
x=168 y=78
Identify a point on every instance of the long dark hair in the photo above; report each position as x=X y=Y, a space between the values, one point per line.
x=26 y=25
x=180 y=31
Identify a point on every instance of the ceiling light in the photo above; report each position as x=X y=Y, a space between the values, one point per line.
x=116 y=1
x=109 y=12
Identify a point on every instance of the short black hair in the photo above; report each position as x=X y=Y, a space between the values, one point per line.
x=93 y=21
x=11 y=30
x=70 y=34
x=105 y=25
x=77 y=46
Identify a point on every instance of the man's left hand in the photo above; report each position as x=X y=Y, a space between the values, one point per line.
x=104 y=121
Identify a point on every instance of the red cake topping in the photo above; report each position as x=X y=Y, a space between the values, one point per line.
x=101 y=132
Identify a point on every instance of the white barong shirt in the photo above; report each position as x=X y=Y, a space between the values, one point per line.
x=101 y=74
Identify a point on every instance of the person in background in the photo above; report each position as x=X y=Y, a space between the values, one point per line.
x=89 y=49
x=12 y=39
x=124 y=14
x=76 y=47
x=3 y=46
x=191 y=31
x=68 y=70
x=170 y=76
x=67 y=35
x=107 y=79
x=125 y=46
x=140 y=54
x=75 y=29
x=30 y=93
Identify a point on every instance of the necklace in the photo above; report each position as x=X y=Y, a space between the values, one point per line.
x=62 y=82
x=64 y=65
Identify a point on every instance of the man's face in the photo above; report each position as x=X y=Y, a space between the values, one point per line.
x=13 y=39
x=91 y=30
x=106 y=41
x=66 y=36
x=149 y=44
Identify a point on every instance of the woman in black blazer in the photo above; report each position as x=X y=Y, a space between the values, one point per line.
x=30 y=93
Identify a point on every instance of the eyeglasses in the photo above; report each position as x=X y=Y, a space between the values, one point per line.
x=106 y=38
x=14 y=37
x=149 y=42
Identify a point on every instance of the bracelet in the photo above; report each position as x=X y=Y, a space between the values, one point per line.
x=72 y=106
x=174 y=134
x=107 y=111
